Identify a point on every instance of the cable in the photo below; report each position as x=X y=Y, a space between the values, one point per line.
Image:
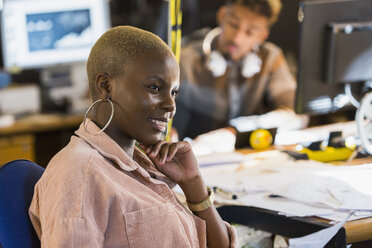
x=352 y=99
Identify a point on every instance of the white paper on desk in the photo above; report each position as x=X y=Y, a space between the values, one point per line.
x=282 y=205
x=357 y=194
x=317 y=239
x=268 y=172
x=316 y=184
x=333 y=188
x=210 y=143
x=220 y=158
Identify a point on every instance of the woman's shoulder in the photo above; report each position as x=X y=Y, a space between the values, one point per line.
x=75 y=152
x=73 y=159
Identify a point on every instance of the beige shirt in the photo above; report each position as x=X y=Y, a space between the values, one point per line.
x=92 y=194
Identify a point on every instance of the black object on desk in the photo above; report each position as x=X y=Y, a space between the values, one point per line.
x=271 y=221
x=297 y=155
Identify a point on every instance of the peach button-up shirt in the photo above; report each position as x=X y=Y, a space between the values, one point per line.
x=92 y=194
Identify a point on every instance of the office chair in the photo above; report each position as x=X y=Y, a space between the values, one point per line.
x=17 y=181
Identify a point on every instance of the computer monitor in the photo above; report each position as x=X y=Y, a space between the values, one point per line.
x=41 y=33
x=335 y=54
x=54 y=38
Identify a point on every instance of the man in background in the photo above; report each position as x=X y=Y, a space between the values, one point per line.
x=232 y=71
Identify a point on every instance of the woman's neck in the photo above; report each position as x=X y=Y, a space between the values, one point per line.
x=123 y=140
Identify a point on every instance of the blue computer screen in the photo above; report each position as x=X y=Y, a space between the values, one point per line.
x=42 y=33
x=58 y=30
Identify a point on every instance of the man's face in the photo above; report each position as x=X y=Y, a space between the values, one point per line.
x=144 y=97
x=242 y=29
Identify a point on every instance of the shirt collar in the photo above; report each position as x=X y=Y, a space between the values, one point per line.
x=109 y=149
x=105 y=145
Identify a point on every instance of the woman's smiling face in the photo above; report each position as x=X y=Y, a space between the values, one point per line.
x=144 y=97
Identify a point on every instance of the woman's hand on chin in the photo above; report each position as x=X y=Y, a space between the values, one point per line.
x=176 y=160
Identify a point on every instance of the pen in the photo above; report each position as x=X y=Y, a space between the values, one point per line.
x=224 y=193
x=274 y=196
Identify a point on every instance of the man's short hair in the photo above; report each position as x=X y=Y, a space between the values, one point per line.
x=268 y=8
x=116 y=47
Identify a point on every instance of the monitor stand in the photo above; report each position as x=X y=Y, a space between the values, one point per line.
x=65 y=88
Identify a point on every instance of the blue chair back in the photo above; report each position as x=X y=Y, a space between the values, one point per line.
x=17 y=181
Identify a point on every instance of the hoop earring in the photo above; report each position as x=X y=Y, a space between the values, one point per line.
x=165 y=133
x=108 y=123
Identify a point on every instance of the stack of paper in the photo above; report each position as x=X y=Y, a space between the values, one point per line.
x=274 y=181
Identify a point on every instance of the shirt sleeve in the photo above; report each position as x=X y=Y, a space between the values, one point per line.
x=68 y=211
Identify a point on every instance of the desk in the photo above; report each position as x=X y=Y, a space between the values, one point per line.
x=356 y=230
x=268 y=220
x=37 y=137
x=353 y=231
x=271 y=221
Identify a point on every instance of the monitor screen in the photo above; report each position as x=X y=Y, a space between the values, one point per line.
x=335 y=50
x=41 y=33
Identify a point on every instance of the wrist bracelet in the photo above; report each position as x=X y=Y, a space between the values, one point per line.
x=203 y=205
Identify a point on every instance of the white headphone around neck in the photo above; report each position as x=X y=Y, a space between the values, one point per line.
x=216 y=63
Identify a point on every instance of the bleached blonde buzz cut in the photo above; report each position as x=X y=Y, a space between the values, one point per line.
x=117 y=47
